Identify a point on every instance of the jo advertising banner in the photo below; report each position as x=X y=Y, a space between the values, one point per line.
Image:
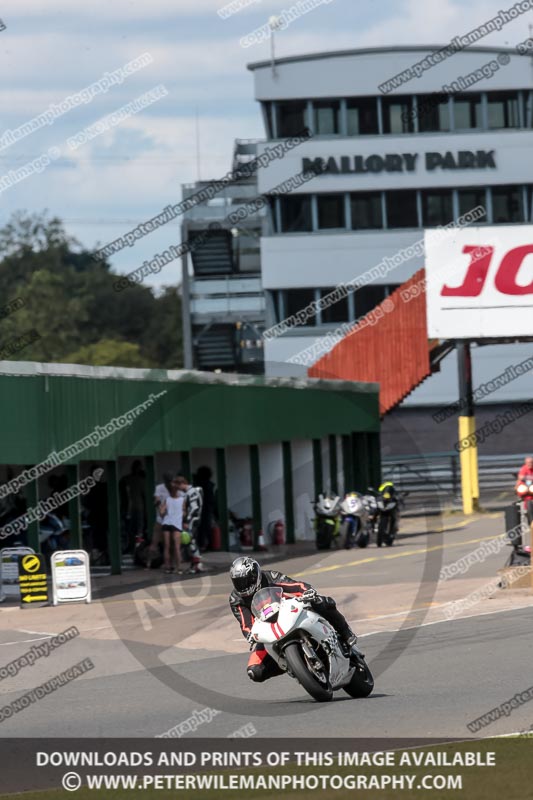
x=480 y=282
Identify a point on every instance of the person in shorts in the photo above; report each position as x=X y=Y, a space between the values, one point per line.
x=171 y=513
x=161 y=492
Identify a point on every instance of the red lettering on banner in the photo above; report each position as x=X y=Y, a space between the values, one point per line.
x=505 y=280
x=476 y=273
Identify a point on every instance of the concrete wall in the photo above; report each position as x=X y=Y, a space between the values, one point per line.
x=238 y=481
x=302 y=464
x=271 y=469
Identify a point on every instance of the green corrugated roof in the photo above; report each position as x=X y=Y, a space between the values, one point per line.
x=48 y=407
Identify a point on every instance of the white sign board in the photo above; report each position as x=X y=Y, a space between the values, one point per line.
x=71 y=577
x=480 y=282
x=9 y=570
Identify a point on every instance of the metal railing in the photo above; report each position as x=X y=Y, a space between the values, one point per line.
x=439 y=475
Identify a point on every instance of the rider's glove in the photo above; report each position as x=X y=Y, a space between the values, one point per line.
x=250 y=639
x=311 y=596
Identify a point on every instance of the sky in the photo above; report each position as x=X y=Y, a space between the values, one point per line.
x=125 y=175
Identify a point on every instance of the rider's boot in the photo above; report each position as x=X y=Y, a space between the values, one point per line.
x=348 y=638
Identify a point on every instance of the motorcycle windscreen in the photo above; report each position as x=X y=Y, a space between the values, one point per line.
x=265 y=598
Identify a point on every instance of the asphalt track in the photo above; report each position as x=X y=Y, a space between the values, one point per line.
x=433 y=676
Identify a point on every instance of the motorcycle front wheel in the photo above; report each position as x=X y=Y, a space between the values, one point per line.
x=362 y=681
x=320 y=690
x=385 y=534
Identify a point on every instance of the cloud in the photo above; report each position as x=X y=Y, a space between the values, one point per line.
x=437 y=23
x=122 y=9
x=131 y=172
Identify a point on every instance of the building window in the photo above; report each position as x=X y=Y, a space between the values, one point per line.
x=397 y=114
x=503 y=109
x=402 y=209
x=367 y=298
x=326 y=117
x=437 y=208
x=277 y=304
x=528 y=109
x=296 y=213
x=433 y=112
x=267 y=110
x=467 y=111
x=507 y=204
x=366 y=210
x=298 y=299
x=362 y=116
x=331 y=211
x=272 y=216
x=470 y=199
x=337 y=311
x=291 y=118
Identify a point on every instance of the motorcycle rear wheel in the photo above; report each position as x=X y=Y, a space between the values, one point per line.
x=362 y=681
x=322 y=692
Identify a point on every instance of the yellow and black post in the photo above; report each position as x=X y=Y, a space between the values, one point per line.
x=467 y=427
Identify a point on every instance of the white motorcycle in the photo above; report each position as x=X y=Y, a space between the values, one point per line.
x=355 y=520
x=307 y=647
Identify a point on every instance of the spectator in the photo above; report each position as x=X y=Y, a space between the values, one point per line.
x=208 y=514
x=526 y=473
x=526 y=470
x=192 y=511
x=171 y=513
x=96 y=504
x=133 y=503
x=161 y=492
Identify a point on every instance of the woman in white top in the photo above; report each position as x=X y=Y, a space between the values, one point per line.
x=160 y=493
x=171 y=512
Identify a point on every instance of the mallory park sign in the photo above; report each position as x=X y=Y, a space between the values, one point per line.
x=396 y=162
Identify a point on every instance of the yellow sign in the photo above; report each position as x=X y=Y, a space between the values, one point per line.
x=32 y=580
x=31 y=563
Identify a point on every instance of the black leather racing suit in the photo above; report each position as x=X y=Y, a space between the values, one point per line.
x=261 y=666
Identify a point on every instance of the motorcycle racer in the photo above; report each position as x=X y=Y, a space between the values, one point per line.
x=248 y=578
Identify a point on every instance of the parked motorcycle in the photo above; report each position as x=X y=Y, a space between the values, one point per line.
x=307 y=647
x=327 y=520
x=389 y=501
x=355 y=520
x=372 y=503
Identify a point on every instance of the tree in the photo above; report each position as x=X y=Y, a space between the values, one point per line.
x=108 y=352
x=163 y=337
x=68 y=296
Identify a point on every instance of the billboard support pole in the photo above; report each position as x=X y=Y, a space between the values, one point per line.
x=467 y=427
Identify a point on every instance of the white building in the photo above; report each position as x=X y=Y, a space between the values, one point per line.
x=389 y=164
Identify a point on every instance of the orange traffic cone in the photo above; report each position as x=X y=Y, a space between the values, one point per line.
x=261 y=544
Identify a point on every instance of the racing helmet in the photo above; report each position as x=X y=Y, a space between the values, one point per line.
x=387 y=489
x=245 y=574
